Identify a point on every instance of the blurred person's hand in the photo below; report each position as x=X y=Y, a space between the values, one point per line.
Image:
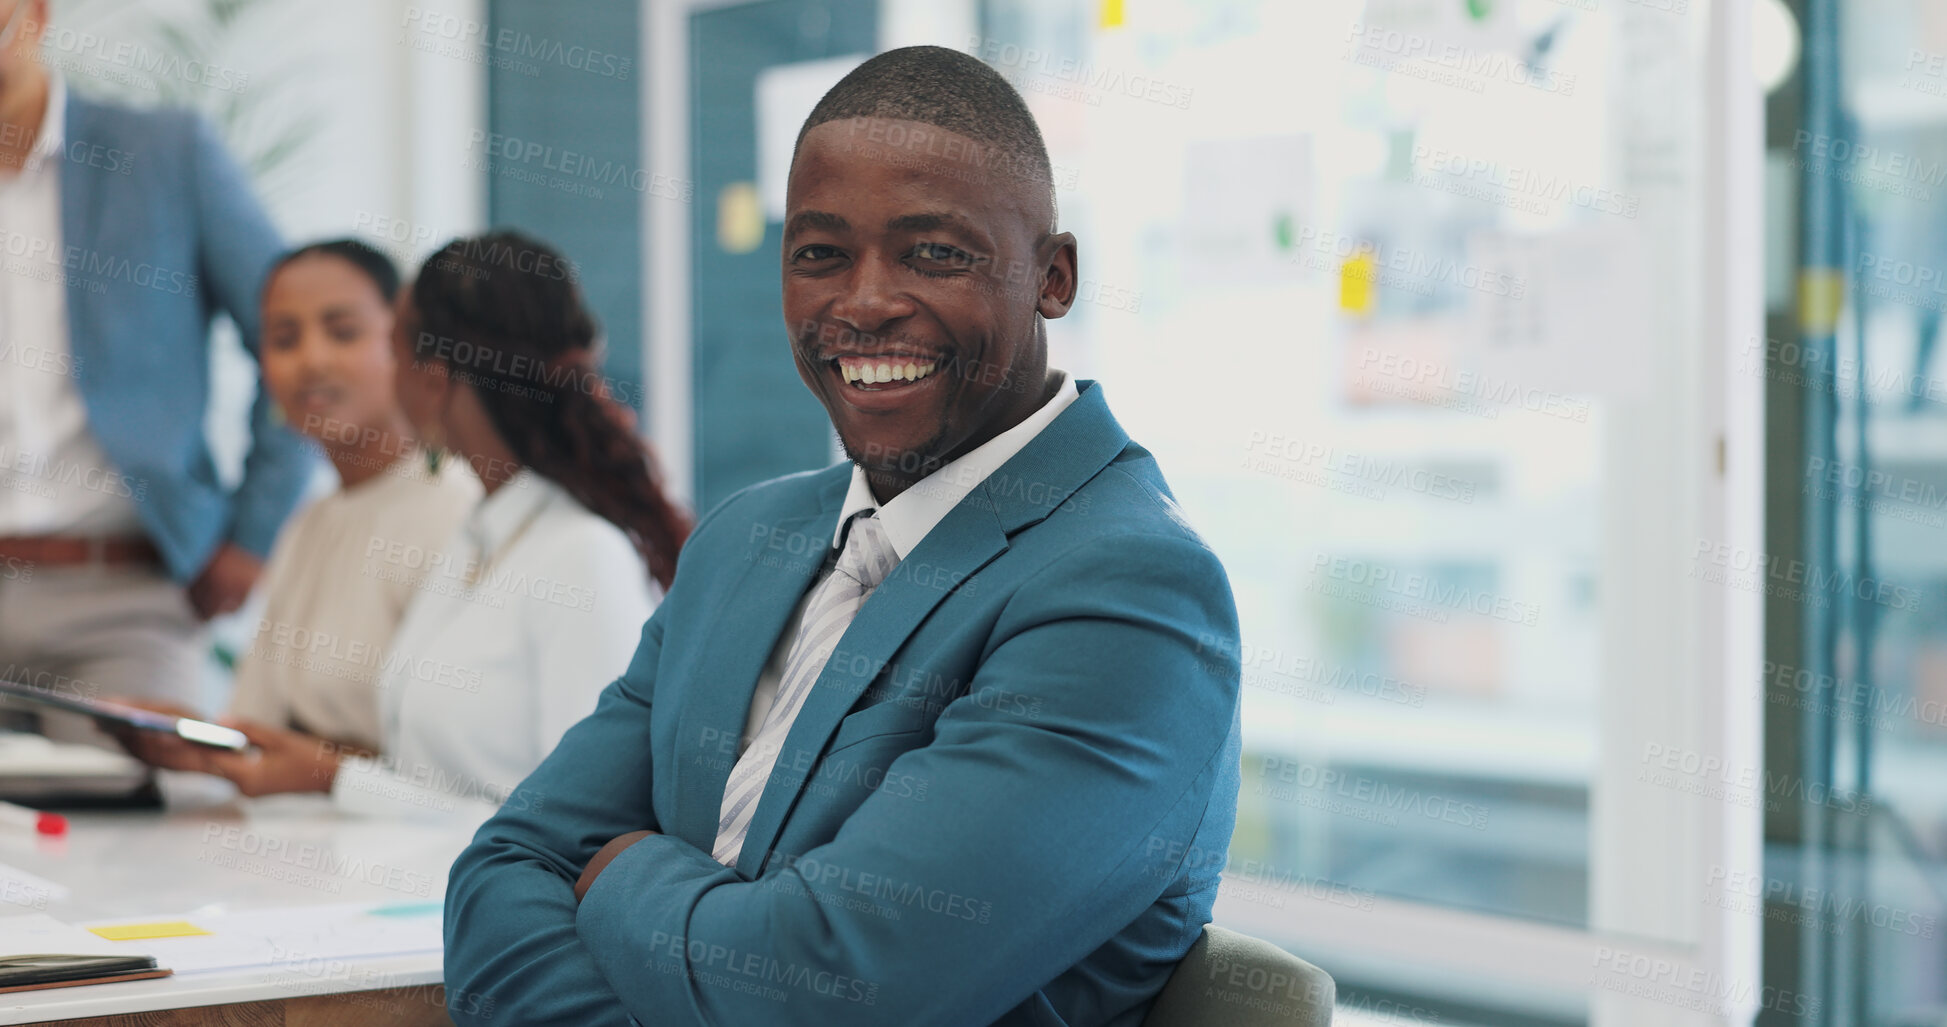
x=279 y=760
x=157 y=748
x=226 y=581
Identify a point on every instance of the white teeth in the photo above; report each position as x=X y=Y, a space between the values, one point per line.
x=876 y=374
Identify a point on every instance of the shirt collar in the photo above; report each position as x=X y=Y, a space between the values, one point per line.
x=914 y=512
x=510 y=509
x=54 y=129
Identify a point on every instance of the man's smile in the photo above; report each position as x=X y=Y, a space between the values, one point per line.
x=868 y=373
x=882 y=383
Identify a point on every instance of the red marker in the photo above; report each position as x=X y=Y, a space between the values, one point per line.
x=32 y=819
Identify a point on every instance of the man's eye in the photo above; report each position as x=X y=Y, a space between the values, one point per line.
x=941 y=253
x=815 y=252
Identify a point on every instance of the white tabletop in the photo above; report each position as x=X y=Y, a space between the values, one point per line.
x=211 y=857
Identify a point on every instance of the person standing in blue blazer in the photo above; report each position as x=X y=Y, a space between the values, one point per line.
x=123 y=232
x=945 y=735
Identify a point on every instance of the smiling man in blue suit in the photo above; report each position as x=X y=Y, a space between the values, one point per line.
x=947 y=735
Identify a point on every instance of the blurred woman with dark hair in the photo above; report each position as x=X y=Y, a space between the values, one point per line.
x=329 y=615
x=538 y=602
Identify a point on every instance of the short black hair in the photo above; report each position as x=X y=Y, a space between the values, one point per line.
x=947 y=89
x=375 y=265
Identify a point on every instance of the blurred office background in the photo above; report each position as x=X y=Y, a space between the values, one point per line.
x=1558 y=380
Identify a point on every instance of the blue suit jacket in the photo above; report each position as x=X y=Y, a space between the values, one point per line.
x=159 y=230
x=1005 y=800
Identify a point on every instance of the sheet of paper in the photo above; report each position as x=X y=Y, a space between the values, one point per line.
x=300 y=935
x=20 y=888
x=40 y=934
x=28 y=755
x=1247 y=213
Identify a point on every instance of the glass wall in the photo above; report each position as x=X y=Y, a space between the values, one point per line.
x=1857 y=887
x=1402 y=295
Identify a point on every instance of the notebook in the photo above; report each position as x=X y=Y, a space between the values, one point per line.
x=38 y=951
x=35 y=771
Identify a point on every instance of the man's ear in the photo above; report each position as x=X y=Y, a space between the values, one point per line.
x=1058 y=260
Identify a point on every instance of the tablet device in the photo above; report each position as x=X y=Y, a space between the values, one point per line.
x=201 y=732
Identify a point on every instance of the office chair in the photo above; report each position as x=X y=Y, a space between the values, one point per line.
x=1229 y=979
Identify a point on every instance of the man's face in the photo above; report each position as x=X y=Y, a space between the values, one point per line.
x=912 y=277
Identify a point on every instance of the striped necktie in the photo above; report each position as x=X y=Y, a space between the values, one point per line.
x=866 y=560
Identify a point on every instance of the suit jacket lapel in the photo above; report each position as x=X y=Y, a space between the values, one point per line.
x=743 y=629
x=1067 y=453
x=80 y=211
x=960 y=545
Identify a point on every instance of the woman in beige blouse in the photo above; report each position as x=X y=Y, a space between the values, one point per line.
x=344 y=569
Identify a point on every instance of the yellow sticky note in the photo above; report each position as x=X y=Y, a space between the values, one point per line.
x=1356 y=283
x=1821 y=297
x=1111 y=14
x=143 y=932
x=740 y=218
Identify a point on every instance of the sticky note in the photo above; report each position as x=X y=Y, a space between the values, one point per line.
x=1111 y=14
x=740 y=218
x=1356 y=277
x=410 y=909
x=143 y=932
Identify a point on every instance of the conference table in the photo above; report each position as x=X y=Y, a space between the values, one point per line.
x=270 y=911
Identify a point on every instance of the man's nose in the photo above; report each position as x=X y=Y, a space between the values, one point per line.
x=875 y=297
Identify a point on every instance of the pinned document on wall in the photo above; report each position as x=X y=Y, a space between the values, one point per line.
x=1570 y=311
x=1449 y=31
x=785 y=96
x=1244 y=204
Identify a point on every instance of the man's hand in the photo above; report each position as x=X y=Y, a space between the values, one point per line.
x=282 y=761
x=225 y=582
x=602 y=859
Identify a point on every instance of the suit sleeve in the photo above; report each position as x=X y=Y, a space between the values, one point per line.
x=1034 y=844
x=237 y=245
x=512 y=955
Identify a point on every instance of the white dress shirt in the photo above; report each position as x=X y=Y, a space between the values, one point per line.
x=54 y=477
x=908 y=518
x=531 y=610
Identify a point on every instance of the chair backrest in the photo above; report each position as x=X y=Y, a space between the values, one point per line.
x=1229 y=979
